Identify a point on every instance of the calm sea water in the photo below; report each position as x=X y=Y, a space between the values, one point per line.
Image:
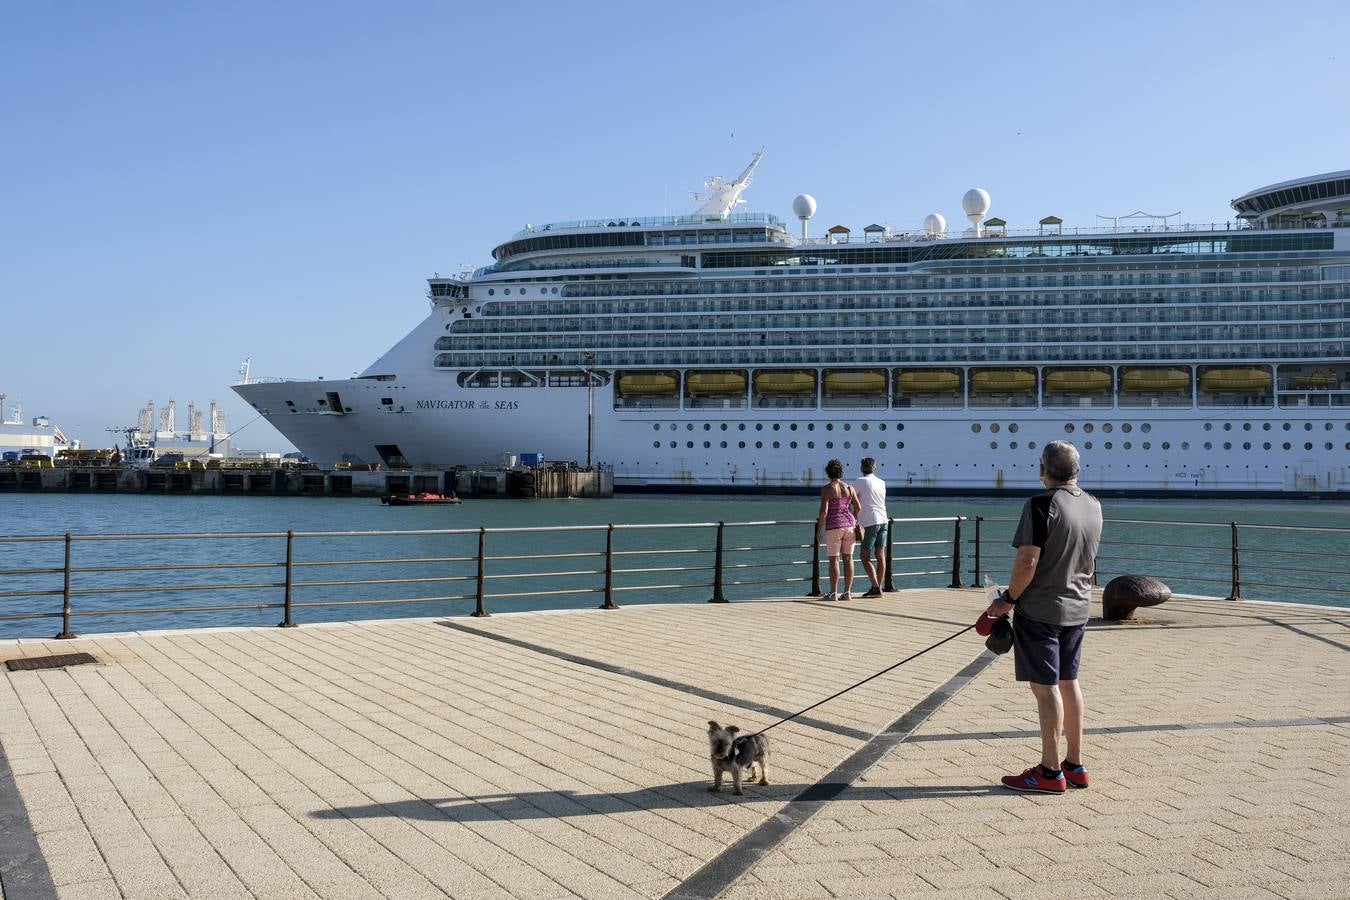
x=552 y=569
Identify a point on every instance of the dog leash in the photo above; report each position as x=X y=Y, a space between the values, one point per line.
x=861 y=683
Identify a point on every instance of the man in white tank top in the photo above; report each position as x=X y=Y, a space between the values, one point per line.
x=872 y=517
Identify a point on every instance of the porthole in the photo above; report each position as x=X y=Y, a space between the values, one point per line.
x=724 y=445
x=829 y=445
x=776 y=426
x=1068 y=428
x=673 y=445
x=864 y=445
x=1107 y=445
x=507 y=292
x=741 y=445
x=706 y=445
x=1288 y=446
x=1266 y=445
x=1107 y=427
x=993 y=445
x=829 y=426
x=864 y=426
x=810 y=445
x=1328 y=446
x=689 y=427
x=1227 y=445
x=1013 y=428
x=1012 y=445
x=975 y=428
x=1127 y=445
x=672 y=426
x=759 y=445
x=1307 y=426
x=1087 y=445
x=656 y=427
x=899 y=426
x=848 y=427
x=1087 y=428
x=882 y=445
x=882 y=426
x=1308 y=445
x=1246 y=426
x=656 y=444
x=1246 y=445
x=775 y=445
x=1287 y=426
x=1328 y=426
x=707 y=426
x=1185 y=445
x=1167 y=445
x=847 y=445
x=810 y=426
x=1146 y=428
x=1227 y=426
x=724 y=426
x=1209 y=426
x=993 y=428
x=491 y=292
x=792 y=445
x=1146 y=445
x=1031 y=445
x=689 y=444
x=792 y=427
x=1127 y=428
x=759 y=426
x=1265 y=426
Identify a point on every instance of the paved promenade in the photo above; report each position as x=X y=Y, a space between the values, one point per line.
x=560 y=755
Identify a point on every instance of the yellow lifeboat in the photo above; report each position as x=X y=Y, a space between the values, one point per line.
x=651 y=383
x=1003 y=381
x=1246 y=379
x=703 y=384
x=1156 y=380
x=1077 y=380
x=785 y=382
x=928 y=381
x=1323 y=380
x=855 y=382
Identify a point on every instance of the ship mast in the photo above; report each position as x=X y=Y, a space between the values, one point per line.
x=722 y=197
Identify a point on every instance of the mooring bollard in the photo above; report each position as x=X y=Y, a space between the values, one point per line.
x=956 y=555
x=479 y=612
x=609 y=569
x=66 y=634
x=717 y=596
x=1236 y=592
x=815 y=561
x=287 y=621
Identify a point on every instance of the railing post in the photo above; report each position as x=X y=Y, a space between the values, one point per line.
x=609 y=569
x=888 y=583
x=66 y=633
x=479 y=611
x=1236 y=593
x=717 y=596
x=815 y=560
x=956 y=555
x=288 y=622
x=978 y=579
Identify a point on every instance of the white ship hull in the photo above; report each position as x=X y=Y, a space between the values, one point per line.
x=436 y=423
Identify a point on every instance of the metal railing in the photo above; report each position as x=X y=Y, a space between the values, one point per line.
x=1302 y=563
x=451 y=569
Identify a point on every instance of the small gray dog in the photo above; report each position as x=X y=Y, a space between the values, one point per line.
x=736 y=755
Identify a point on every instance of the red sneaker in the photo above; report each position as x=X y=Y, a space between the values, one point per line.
x=1034 y=780
x=1077 y=776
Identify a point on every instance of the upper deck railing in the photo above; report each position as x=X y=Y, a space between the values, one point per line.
x=753 y=219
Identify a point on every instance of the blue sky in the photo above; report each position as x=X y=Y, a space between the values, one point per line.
x=187 y=184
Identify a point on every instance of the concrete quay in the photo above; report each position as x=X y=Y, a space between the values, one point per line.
x=564 y=754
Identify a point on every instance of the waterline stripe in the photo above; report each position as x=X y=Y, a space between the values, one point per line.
x=722 y=871
x=23 y=870
x=714 y=696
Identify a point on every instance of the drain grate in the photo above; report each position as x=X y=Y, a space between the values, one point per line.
x=59 y=661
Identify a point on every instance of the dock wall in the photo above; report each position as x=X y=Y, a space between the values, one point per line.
x=295 y=482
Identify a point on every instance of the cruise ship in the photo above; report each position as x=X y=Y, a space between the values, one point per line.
x=726 y=350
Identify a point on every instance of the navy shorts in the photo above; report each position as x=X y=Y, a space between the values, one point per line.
x=874 y=537
x=1046 y=654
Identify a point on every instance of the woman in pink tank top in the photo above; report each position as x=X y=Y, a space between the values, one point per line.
x=838 y=519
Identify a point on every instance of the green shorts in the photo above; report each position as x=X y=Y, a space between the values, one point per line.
x=873 y=536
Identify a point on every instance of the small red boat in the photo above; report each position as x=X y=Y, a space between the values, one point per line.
x=425 y=498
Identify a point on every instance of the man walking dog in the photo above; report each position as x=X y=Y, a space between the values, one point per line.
x=1050 y=590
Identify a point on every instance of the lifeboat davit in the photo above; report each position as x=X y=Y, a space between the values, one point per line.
x=1323 y=380
x=1156 y=380
x=928 y=381
x=1003 y=381
x=1245 y=379
x=653 y=383
x=855 y=382
x=703 y=384
x=785 y=382
x=1077 y=380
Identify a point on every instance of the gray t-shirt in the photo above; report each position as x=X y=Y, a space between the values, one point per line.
x=1066 y=523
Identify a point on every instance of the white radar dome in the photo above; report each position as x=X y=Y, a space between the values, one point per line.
x=804 y=207
x=976 y=202
x=934 y=224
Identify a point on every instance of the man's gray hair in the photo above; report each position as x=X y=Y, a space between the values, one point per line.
x=1060 y=459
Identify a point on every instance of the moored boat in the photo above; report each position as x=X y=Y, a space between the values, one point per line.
x=422 y=498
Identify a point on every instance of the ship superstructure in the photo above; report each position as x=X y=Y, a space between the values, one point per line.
x=719 y=350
